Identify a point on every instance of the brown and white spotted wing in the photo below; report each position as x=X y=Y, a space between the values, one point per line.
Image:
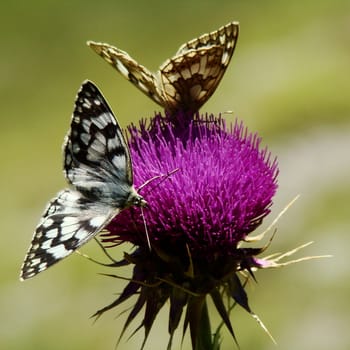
x=190 y=79
x=98 y=167
x=225 y=37
x=192 y=76
x=139 y=75
x=187 y=80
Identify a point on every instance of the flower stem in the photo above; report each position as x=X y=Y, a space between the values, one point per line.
x=200 y=324
x=204 y=335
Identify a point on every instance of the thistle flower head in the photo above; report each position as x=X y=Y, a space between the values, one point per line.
x=219 y=189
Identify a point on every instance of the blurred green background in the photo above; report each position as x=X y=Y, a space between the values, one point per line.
x=288 y=80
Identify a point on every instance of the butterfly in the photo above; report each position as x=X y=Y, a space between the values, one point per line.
x=187 y=80
x=98 y=167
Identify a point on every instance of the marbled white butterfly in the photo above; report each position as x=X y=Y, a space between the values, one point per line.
x=186 y=81
x=97 y=165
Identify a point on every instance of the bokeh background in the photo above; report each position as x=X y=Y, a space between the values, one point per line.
x=288 y=80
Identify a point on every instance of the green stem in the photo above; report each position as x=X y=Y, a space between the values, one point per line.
x=199 y=322
x=204 y=339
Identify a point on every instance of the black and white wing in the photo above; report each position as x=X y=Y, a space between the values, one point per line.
x=187 y=80
x=96 y=156
x=97 y=165
x=68 y=222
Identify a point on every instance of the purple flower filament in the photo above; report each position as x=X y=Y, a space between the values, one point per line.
x=221 y=192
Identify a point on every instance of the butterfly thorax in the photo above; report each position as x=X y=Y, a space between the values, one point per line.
x=135 y=199
x=121 y=196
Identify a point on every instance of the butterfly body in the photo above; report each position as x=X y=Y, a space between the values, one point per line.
x=97 y=165
x=187 y=80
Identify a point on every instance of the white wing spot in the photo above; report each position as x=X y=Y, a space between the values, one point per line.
x=53 y=233
x=35 y=262
x=143 y=86
x=222 y=39
x=76 y=148
x=66 y=235
x=70 y=220
x=112 y=144
x=42 y=266
x=225 y=58
x=122 y=69
x=98 y=221
x=85 y=138
x=103 y=120
x=39 y=234
x=48 y=222
x=119 y=161
x=98 y=146
x=174 y=77
x=59 y=251
x=47 y=244
x=86 y=124
x=87 y=103
x=195 y=68
x=186 y=73
x=100 y=137
x=81 y=234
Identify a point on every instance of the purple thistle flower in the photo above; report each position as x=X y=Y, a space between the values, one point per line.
x=196 y=219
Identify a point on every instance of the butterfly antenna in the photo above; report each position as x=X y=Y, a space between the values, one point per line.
x=164 y=176
x=146 y=229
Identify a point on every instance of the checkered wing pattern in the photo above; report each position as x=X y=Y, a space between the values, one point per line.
x=97 y=165
x=68 y=222
x=139 y=75
x=187 y=80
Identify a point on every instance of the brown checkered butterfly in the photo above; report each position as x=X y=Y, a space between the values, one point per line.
x=187 y=80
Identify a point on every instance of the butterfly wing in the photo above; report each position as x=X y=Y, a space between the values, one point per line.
x=97 y=164
x=226 y=37
x=190 y=79
x=96 y=156
x=139 y=75
x=193 y=74
x=68 y=222
x=186 y=81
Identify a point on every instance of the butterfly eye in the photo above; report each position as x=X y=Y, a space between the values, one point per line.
x=140 y=202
